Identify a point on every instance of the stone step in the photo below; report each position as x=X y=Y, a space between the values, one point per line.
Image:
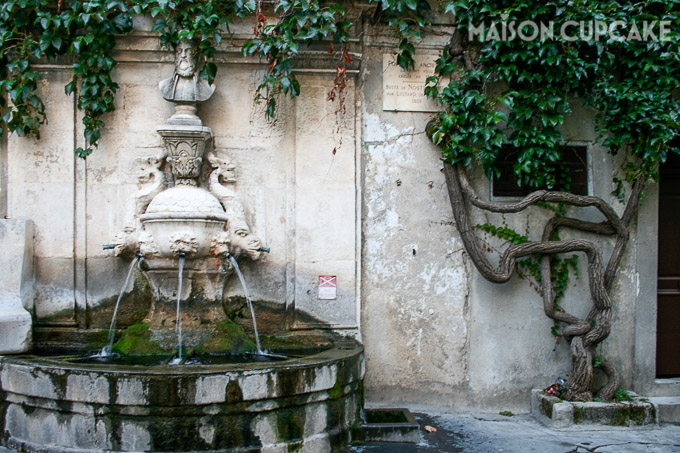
x=669 y=408
x=393 y=425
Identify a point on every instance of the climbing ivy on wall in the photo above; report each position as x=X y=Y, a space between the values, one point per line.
x=500 y=82
x=631 y=83
x=34 y=31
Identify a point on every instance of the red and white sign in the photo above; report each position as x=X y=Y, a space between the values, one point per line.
x=328 y=287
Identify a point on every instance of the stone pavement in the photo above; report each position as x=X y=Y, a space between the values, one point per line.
x=465 y=432
x=486 y=433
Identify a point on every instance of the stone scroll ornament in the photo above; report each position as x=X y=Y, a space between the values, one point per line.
x=151 y=181
x=185 y=159
x=221 y=184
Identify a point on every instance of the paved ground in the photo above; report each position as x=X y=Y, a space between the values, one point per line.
x=520 y=433
x=477 y=433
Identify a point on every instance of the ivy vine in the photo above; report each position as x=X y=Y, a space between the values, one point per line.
x=632 y=84
x=33 y=31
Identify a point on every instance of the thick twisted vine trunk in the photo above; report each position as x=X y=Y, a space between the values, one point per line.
x=583 y=334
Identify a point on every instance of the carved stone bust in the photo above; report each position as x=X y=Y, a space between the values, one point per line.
x=184 y=85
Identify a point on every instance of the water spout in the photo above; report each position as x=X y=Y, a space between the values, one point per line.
x=248 y=301
x=112 y=329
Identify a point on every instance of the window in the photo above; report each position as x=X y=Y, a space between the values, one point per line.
x=575 y=163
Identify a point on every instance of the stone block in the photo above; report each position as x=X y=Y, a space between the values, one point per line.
x=16 y=286
x=15 y=327
x=668 y=408
x=558 y=413
x=50 y=207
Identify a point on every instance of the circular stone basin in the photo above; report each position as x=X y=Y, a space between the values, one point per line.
x=302 y=404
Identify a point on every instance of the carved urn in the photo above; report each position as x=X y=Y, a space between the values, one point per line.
x=184 y=220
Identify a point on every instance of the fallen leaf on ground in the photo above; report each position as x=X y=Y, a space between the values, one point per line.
x=430 y=429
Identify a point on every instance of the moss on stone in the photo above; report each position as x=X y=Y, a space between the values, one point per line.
x=335 y=392
x=546 y=407
x=228 y=338
x=234 y=392
x=620 y=415
x=638 y=415
x=136 y=340
x=579 y=414
x=290 y=424
x=273 y=341
x=97 y=340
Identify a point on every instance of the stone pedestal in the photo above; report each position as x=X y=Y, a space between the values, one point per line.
x=557 y=413
x=185 y=146
x=16 y=286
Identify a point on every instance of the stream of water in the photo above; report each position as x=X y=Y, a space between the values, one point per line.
x=248 y=301
x=112 y=329
x=178 y=322
x=107 y=350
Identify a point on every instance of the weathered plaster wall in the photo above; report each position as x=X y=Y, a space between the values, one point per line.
x=415 y=276
x=435 y=331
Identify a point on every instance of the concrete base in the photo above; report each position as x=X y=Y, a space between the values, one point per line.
x=668 y=408
x=558 y=413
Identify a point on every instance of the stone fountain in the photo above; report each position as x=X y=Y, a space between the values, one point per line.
x=200 y=224
x=194 y=221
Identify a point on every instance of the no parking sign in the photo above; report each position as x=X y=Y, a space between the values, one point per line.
x=328 y=287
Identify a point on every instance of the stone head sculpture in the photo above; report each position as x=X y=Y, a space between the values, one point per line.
x=185 y=60
x=184 y=86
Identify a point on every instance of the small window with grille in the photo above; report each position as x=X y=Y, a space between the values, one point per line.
x=575 y=163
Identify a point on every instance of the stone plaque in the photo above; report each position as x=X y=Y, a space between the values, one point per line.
x=403 y=90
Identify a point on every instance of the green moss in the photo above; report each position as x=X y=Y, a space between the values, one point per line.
x=546 y=407
x=335 y=392
x=138 y=330
x=237 y=306
x=620 y=416
x=228 y=338
x=579 y=414
x=638 y=414
x=234 y=392
x=290 y=424
x=136 y=340
x=282 y=341
x=97 y=340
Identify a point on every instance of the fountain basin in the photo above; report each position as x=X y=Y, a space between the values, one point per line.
x=307 y=404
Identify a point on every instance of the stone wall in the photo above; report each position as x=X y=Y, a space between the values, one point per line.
x=295 y=176
x=435 y=331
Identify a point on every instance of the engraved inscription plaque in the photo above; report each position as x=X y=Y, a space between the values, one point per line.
x=403 y=90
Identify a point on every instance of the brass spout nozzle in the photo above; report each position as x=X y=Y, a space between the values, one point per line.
x=108 y=246
x=264 y=249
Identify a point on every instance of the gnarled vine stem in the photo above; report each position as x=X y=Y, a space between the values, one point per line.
x=583 y=334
